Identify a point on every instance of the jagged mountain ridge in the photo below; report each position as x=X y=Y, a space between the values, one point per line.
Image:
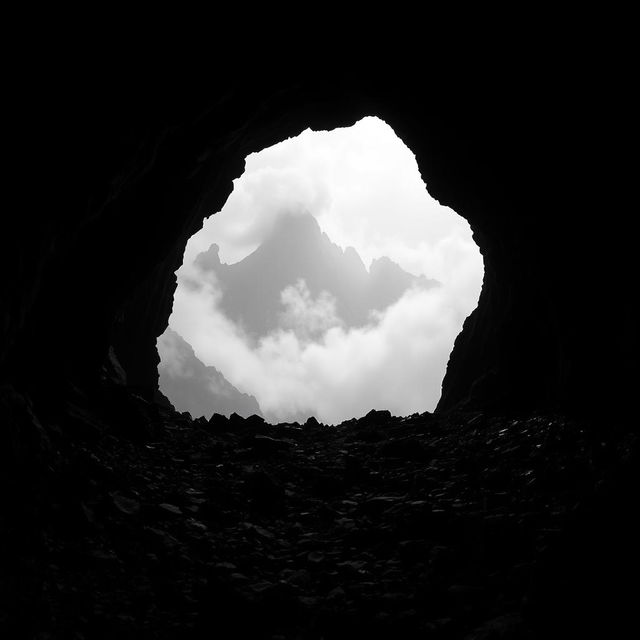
x=298 y=249
x=194 y=387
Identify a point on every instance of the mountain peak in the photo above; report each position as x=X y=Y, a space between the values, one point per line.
x=296 y=223
x=209 y=260
x=298 y=250
x=192 y=386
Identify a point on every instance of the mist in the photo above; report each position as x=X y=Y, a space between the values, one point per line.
x=363 y=187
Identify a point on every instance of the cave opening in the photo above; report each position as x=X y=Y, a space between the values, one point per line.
x=330 y=283
x=500 y=514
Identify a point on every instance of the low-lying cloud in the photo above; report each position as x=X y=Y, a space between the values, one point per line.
x=395 y=362
x=307 y=317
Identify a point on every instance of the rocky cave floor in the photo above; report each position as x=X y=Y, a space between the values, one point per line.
x=429 y=526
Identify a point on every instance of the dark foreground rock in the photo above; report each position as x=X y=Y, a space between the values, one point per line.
x=456 y=526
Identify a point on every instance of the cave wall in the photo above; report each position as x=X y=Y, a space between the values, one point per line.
x=523 y=157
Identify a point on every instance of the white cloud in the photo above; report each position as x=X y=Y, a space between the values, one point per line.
x=306 y=317
x=364 y=187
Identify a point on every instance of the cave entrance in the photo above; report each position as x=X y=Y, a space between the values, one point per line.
x=331 y=283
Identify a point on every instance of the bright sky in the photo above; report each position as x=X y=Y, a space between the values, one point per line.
x=364 y=187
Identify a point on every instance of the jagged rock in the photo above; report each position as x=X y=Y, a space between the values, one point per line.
x=218 y=421
x=170 y=508
x=266 y=444
x=376 y=417
x=254 y=421
x=126 y=505
x=237 y=421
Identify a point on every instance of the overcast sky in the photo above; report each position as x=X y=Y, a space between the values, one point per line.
x=363 y=186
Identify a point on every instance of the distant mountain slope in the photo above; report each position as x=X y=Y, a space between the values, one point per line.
x=191 y=386
x=298 y=249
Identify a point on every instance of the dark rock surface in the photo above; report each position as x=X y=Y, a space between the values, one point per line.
x=451 y=526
